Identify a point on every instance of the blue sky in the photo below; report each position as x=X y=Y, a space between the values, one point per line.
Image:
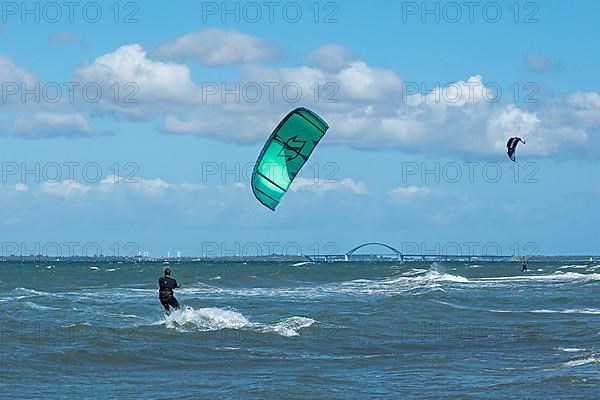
x=169 y=172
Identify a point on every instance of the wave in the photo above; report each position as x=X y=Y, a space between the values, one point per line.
x=289 y=326
x=34 y=306
x=570 y=311
x=557 y=276
x=582 y=361
x=414 y=282
x=593 y=311
x=434 y=276
x=574 y=266
x=301 y=264
x=215 y=319
x=33 y=292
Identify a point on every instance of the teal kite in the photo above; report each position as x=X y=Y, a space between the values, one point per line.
x=285 y=153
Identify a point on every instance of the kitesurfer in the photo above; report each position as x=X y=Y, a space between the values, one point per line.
x=511 y=147
x=165 y=292
x=524 y=266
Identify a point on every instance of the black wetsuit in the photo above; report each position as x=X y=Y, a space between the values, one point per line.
x=524 y=267
x=165 y=293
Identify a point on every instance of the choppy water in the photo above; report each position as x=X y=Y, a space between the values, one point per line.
x=417 y=330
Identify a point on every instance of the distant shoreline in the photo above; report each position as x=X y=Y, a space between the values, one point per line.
x=275 y=258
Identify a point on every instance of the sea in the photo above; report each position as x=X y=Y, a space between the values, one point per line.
x=422 y=330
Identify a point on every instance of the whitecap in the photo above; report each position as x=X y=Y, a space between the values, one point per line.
x=569 y=311
x=301 y=264
x=215 y=319
x=206 y=319
x=32 y=292
x=581 y=361
x=38 y=307
x=290 y=326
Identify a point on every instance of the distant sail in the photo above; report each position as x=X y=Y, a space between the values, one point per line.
x=284 y=155
x=511 y=147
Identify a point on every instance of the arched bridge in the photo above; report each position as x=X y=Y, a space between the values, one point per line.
x=397 y=252
x=399 y=256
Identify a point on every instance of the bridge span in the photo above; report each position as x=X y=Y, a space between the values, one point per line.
x=395 y=255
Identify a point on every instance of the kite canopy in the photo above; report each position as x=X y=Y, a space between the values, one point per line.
x=285 y=153
x=511 y=146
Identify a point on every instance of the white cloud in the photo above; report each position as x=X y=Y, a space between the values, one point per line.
x=408 y=193
x=331 y=57
x=369 y=109
x=65 y=189
x=150 y=187
x=540 y=63
x=462 y=118
x=11 y=72
x=49 y=125
x=363 y=82
x=115 y=185
x=13 y=79
x=243 y=127
x=218 y=47
x=358 y=81
x=152 y=84
x=321 y=186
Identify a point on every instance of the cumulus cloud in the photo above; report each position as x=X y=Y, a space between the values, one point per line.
x=148 y=187
x=331 y=57
x=218 y=47
x=358 y=81
x=363 y=82
x=320 y=185
x=45 y=125
x=13 y=78
x=65 y=189
x=462 y=118
x=540 y=63
x=366 y=106
x=408 y=193
x=145 y=84
x=11 y=72
x=371 y=108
